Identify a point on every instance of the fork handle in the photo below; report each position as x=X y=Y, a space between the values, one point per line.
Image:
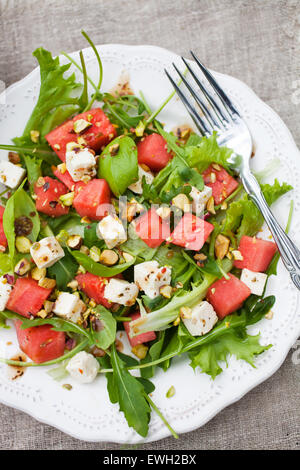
x=288 y=250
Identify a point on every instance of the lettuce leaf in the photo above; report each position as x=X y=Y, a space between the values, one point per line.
x=207 y=152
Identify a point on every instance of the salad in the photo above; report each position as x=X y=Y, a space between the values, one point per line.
x=110 y=226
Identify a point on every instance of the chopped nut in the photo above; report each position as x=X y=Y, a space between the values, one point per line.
x=171 y=392
x=145 y=167
x=229 y=255
x=109 y=257
x=200 y=257
x=177 y=321
x=237 y=255
x=81 y=141
x=224 y=206
x=40 y=182
x=113 y=149
x=182 y=202
x=140 y=351
x=81 y=270
x=22 y=267
x=73 y=284
x=38 y=274
x=85 y=250
x=48 y=306
x=42 y=313
x=67 y=386
x=213 y=177
x=67 y=199
x=210 y=206
x=95 y=253
x=127 y=256
x=130 y=211
x=47 y=283
x=75 y=242
x=2 y=248
x=163 y=212
x=166 y=291
x=23 y=244
x=14 y=157
x=56 y=146
x=216 y=166
x=269 y=315
x=81 y=125
x=139 y=130
x=119 y=345
x=92 y=303
x=221 y=246
x=62 y=168
x=35 y=135
x=85 y=220
x=186 y=312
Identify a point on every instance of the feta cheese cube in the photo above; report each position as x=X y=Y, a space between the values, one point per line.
x=200 y=198
x=5 y=289
x=149 y=277
x=69 y=306
x=83 y=367
x=255 y=281
x=111 y=229
x=46 y=252
x=137 y=187
x=11 y=175
x=121 y=292
x=202 y=319
x=80 y=162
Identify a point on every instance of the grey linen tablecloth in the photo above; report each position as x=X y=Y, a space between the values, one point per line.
x=257 y=41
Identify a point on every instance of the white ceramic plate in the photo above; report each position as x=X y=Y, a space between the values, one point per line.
x=85 y=412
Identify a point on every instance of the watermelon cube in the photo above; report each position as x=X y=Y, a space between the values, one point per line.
x=93 y=286
x=221 y=183
x=152 y=229
x=40 y=343
x=48 y=194
x=227 y=295
x=191 y=232
x=139 y=339
x=153 y=152
x=27 y=297
x=96 y=135
x=3 y=240
x=92 y=200
x=257 y=254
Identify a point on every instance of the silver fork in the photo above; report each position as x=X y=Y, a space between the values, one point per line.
x=219 y=114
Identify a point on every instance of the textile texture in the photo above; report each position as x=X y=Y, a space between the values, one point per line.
x=257 y=41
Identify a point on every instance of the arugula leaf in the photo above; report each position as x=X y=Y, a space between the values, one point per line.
x=107 y=333
x=207 y=152
x=33 y=167
x=97 y=268
x=55 y=95
x=130 y=394
x=244 y=347
x=5 y=263
x=120 y=169
x=153 y=354
x=64 y=270
x=90 y=236
x=243 y=215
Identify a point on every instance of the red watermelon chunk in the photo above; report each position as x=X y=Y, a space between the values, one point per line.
x=93 y=286
x=48 y=197
x=65 y=178
x=100 y=132
x=222 y=184
x=153 y=152
x=3 y=240
x=27 y=297
x=40 y=343
x=191 y=232
x=257 y=254
x=92 y=199
x=139 y=339
x=227 y=295
x=152 y=229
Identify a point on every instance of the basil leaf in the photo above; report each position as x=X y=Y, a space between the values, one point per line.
x=121 y=169
x=63 y=271
x=107 y=334
x=97 y=268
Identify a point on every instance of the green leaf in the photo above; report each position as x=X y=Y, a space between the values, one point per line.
x=107 y=334
x=207 y=152
x=130 y=396
x=97 y=268
x=64 y=270
x=56 y=93
x=121 y=169
x=90 y=236
x=33 y=167
x=243 y=346
x=153 y=354
x=5 y=263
